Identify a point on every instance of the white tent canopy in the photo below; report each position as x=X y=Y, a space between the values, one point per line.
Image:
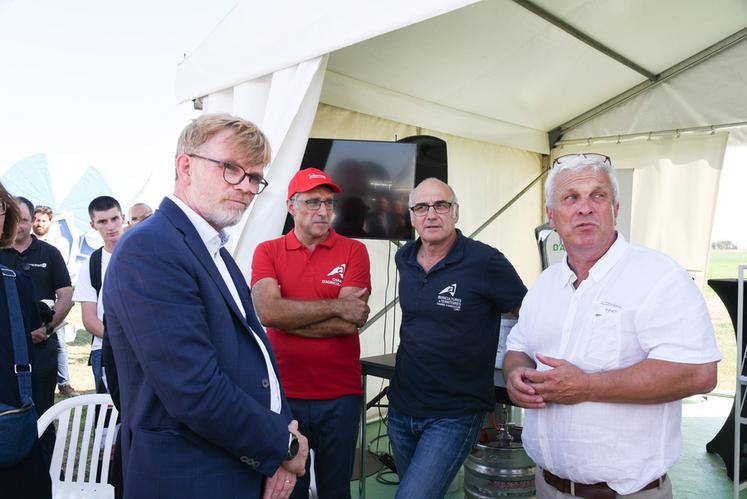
x=489 y=70
x=500 y=81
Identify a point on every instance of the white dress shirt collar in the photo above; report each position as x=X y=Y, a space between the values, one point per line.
x=214 y=240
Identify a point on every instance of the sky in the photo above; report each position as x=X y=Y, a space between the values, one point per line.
x=91 y=83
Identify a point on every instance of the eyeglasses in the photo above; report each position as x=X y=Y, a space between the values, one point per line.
x=3 y=207
x=421 y=209
x=234 y=174
x=590 y=157
x=314 y=204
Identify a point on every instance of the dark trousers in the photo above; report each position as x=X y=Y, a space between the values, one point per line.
x=28 y=479
x=332 y=429
x=43 y=385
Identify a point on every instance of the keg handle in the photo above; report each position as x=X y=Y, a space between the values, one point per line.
x=503 y=437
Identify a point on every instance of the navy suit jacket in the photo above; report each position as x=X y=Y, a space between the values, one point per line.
x=194 y=385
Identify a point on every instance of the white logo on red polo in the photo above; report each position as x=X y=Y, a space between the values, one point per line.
x=337 y=274
x=340 y=269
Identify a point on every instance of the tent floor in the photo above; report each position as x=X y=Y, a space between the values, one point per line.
x=696 y=475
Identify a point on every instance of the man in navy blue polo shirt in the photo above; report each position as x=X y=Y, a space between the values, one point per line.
x=452 y=292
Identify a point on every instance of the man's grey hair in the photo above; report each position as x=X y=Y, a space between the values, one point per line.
x=577 y=162
x=453 y=194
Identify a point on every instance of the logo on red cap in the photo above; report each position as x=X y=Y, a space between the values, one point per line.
x=309 y=178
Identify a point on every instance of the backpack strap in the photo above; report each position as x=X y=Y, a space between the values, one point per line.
x=94 y=269
x=21 y=366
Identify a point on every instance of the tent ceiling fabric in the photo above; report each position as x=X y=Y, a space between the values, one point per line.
x=656 y=35
x=493 y=60
x=259 y=37
x=705 y=97
x=503 y=62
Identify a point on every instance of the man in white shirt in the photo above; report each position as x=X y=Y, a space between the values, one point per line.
x=607 y=344
x=44 y=231
x=203 y=413
x=106 y=219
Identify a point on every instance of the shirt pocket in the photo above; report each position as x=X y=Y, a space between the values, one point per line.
x=603 y=349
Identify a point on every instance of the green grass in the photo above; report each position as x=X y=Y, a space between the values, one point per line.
x=724 y=264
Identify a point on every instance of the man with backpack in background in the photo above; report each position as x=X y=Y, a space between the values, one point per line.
x=107 y=220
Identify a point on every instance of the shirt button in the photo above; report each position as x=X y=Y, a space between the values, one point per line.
x=265 y=383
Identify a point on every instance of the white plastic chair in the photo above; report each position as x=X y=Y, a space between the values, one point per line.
x=79 y=476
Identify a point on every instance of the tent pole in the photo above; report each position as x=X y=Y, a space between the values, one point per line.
x=680 y=67
x=593 y=43
x=652 y=134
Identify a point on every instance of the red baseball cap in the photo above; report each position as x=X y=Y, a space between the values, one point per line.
x=307 y=179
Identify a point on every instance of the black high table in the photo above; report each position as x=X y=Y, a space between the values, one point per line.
x=723 y=443
x=382 y=366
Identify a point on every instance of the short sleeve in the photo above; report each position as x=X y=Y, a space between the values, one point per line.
x=84 y=291
x=263 y=264
x=517 y=340
x=358 y=272
x=503 y=284
x=674 y=323
x=60 y=275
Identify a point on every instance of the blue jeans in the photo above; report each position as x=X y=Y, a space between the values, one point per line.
x=96 y=367
x=332 y=429
x=63 y=375
x=429 y=451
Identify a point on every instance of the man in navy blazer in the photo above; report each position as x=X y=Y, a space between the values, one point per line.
x=203 y=414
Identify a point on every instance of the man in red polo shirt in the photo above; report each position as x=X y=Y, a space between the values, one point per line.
x=310 y=289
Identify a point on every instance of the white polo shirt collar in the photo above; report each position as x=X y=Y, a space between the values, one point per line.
x=601 y=267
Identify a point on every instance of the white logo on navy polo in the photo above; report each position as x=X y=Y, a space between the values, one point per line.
x=336 y=274
x=447 y=299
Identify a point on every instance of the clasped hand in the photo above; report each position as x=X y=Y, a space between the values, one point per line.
x=281 y=484
x=563 y=384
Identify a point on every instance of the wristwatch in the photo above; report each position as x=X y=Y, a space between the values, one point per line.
x=292 y=447
x=50 y=330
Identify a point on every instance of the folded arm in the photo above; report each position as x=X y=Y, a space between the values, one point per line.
x=312 y=318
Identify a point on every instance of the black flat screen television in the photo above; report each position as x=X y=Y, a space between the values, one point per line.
x=376 y=178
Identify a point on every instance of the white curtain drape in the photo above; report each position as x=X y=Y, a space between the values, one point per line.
x=283 y=105
x=673 y=194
